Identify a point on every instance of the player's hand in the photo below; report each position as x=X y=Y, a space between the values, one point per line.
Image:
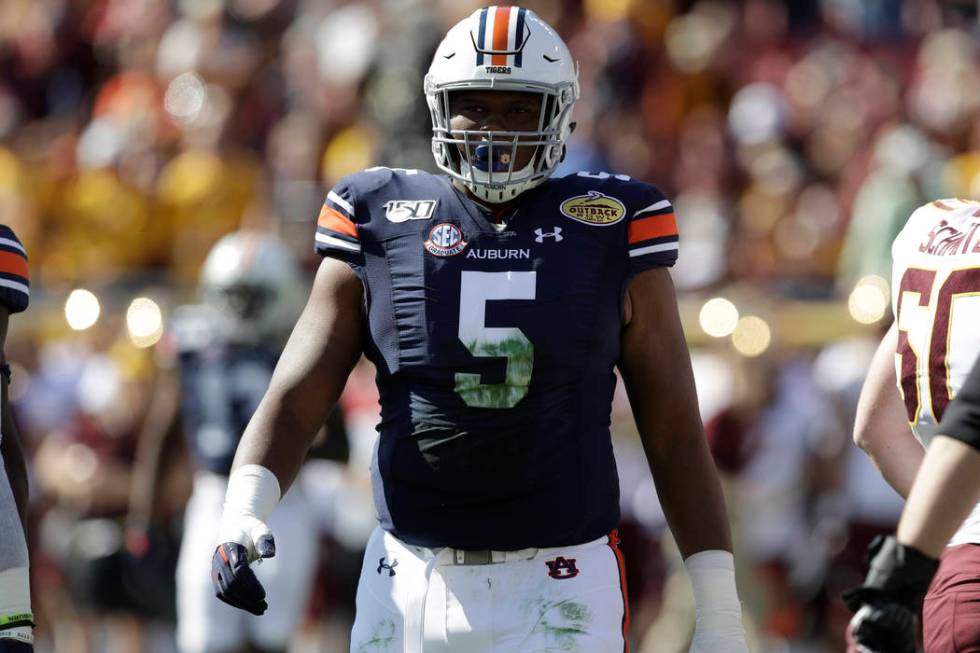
x=887 y=605
x=243 y=539
x=883 y=627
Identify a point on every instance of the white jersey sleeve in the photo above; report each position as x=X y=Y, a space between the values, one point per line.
x=936 y=302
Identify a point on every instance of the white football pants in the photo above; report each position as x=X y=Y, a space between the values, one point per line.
x=417 y=600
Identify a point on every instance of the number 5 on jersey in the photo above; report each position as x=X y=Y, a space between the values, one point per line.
x=476 y=289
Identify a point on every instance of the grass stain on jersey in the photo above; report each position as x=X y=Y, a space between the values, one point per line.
x=560 y=624
x=382 y=638
x=519 y=353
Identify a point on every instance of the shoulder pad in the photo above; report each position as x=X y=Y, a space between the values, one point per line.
x=600 y=199
x=608 y=182
x=372 y=179
x=588 y=178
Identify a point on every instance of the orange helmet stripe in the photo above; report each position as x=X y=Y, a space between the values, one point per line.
x=501 y=29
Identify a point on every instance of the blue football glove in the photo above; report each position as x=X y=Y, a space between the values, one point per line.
x=234 y=581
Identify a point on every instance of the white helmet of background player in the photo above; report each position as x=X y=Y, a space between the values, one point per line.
x=503 y=49
x=253 y=282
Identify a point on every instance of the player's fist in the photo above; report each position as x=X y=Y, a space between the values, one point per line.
x=242 y=540
x=883 y=628
x=249 y=532
x=234 y=582
x=887 y=605
x=243 y=537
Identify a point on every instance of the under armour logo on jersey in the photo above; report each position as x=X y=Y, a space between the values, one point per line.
x=562 y=568
x=541 y=234
x=391 y=567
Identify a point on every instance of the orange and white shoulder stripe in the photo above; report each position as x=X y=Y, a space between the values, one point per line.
x=15 y=286
x=653 y=230
x=335 y=226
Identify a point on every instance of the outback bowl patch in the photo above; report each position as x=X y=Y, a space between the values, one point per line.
x=594 y=208
x=445 y=239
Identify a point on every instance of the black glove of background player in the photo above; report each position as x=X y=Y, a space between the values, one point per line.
x=889 y=602
x=234 y=581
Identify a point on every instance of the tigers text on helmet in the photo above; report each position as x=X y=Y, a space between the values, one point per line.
x=253 y=282
x=501 y=49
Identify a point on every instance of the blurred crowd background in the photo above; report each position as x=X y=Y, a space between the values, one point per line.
x=794 y=137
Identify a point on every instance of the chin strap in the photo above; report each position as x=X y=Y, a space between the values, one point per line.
x=476 y=181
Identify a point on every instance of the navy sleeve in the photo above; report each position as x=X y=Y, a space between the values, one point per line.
x=962 y=418
x=653 y=238
x=336 y=230
x=15 y=290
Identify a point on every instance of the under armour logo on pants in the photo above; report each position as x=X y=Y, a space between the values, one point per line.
x=390 y=568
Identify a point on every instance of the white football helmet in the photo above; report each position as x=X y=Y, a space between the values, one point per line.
x=503 y=49
x=253 y=282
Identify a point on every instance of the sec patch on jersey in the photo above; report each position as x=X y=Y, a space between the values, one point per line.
x=445 y=239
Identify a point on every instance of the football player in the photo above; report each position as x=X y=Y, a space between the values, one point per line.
x=932 y=345
x=495 y=303
x=16 y=619
x=945 y=490
x=224 y=352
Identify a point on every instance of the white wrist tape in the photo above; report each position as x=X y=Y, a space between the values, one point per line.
x=712 y=576
x=253 y=491
x=15 y=604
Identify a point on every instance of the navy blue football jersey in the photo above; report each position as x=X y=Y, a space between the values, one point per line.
x=221 y=385
x=495 y=339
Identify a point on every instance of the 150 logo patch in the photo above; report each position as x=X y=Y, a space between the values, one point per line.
x=594 y=208
x=404 y=210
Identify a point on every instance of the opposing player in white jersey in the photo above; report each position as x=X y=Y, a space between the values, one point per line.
x=16 y=620
x=932 y=346
x=945 y=490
